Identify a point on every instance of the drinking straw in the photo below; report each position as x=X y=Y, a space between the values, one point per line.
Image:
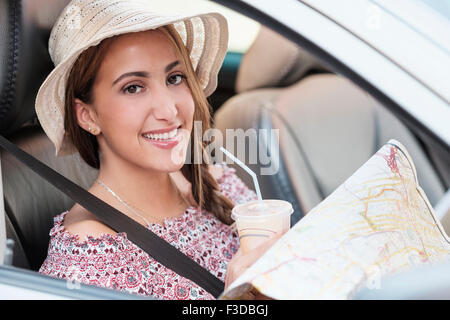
x=243 y=166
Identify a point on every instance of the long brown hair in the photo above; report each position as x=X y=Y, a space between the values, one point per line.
x=205 y=188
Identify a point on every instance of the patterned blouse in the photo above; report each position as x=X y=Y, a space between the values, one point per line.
x=113 y=261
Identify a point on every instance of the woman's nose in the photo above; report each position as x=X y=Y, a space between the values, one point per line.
x=164 y=105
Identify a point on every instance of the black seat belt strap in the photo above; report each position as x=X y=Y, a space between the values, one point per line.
x=155 y=246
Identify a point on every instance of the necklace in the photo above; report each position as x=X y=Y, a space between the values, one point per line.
x=132 y=208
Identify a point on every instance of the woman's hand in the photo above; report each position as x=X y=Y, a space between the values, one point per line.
x=242 y=261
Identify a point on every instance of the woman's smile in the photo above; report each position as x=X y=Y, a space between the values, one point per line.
x=166 y=140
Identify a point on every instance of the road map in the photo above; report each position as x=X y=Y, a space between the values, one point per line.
x=379 y=222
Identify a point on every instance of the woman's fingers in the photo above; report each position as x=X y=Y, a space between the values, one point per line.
x=231 y=268
x=255 y=254
x=242 y=261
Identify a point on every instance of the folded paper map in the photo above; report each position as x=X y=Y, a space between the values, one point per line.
x=377 y=223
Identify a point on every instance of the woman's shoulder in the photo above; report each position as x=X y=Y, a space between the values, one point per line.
x=81 y=229
x=221 y=171
x=80 y=222
x=216 y=171
x=232 y=186
x=81 y=247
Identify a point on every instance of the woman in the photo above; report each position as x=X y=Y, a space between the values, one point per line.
x=127 y=87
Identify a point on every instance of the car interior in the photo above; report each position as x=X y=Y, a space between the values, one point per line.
x=328 y=127
x=325 y=122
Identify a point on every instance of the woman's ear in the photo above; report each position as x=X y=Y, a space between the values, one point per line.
x=86 y=117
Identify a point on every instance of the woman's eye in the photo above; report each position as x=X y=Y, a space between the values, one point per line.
x=175 y=79
x=132 y=89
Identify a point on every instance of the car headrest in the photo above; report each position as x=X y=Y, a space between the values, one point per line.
x=273 y=61
x=25 y=27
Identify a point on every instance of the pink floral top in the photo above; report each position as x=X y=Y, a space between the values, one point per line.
x=113 y=261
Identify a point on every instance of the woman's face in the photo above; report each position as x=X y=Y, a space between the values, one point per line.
x=140 y=90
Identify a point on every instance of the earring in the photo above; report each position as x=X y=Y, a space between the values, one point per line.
x=94 y=131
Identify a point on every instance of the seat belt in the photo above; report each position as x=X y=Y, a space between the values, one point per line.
x=156 y=247
x=2 y=220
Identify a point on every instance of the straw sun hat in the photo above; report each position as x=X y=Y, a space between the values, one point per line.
x=85 y=23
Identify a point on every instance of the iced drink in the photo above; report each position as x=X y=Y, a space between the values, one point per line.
x=257 y=221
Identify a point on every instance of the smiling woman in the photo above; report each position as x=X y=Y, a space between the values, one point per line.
x=131 y=108
x=129 y=105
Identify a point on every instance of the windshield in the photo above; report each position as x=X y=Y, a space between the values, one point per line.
x=441 y=6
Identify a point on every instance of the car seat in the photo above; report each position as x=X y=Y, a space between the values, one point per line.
x=30 y=202
x=328 y=127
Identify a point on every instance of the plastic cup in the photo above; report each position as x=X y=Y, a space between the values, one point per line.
x=257 y=221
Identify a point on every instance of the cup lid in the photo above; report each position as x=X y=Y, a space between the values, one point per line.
x=257 y=209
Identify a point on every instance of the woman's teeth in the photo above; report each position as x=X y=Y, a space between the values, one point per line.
x=162 y=136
